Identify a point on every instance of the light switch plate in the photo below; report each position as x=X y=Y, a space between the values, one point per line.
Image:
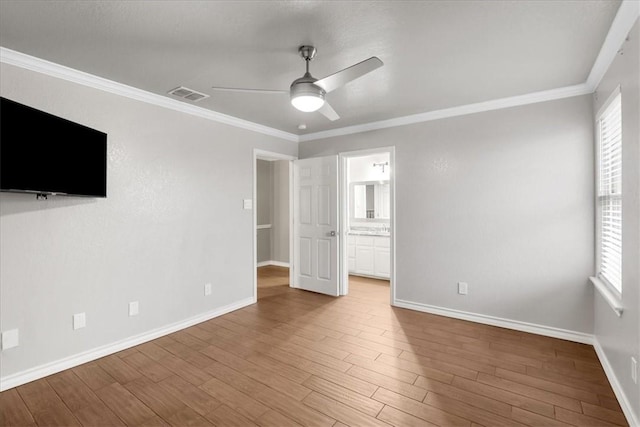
x=247 y=204
x=133 y=308
x=79 y=321
x=207 y=289
x=634 y=370
x=463 y=288
x=10 y=339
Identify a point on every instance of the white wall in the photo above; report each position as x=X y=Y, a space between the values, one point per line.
x=502 y=200
x=173 y=221
x=619 y=337
x=361 y=168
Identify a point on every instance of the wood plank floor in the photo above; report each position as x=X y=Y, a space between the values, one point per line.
x=298 y=358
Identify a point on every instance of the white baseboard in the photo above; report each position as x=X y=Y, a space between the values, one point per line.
x=42 y=371
x=517 y=325
x=632 y=418
x=272 y=262
x=279 y=263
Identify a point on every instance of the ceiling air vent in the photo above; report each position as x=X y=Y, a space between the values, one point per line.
x=190 y=94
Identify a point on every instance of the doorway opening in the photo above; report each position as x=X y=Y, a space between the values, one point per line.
x=272 y=225
x=367 y=218
x=341 y=222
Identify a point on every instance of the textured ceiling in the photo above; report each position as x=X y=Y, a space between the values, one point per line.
x=437 y=54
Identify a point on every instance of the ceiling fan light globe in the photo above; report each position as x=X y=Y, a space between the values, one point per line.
x=305 y=95
x=307 y=103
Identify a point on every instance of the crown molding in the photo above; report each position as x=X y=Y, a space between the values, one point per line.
x=625 y=18
x=622 y=23
x=495 y=104
x=18 y=59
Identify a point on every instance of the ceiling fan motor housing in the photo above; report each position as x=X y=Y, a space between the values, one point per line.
x=305 y=87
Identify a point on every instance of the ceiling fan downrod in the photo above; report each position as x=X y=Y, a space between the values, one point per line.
x=307 y=53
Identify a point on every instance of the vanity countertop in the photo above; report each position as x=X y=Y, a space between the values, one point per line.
x=368 y=233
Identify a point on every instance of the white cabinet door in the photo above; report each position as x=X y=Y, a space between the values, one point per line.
x=360 y=201
x=382 y=201
x=351 y=253
x=364 y=260
x=386 y=201
x=382 y=256
x=382 y=262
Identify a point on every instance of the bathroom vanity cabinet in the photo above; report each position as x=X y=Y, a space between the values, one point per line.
x=369 y=255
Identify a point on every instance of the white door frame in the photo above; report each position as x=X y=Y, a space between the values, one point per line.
x=269 y=155
x=343 y=270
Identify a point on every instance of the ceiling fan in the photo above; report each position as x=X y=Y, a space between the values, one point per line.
x=308 y=93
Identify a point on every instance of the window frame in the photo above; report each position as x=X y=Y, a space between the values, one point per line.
x=617 y=293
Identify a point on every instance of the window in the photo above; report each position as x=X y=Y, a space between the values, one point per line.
x=609 y=198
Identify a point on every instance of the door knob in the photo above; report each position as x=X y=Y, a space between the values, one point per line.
x=332 y=233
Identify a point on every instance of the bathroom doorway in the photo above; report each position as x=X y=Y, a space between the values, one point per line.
x=367 y=215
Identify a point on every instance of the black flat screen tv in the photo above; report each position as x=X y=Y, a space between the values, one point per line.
x=44 y=154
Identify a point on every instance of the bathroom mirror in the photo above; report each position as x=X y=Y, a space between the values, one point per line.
x=369 y=201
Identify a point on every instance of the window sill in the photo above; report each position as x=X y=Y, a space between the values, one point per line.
x=611 y=299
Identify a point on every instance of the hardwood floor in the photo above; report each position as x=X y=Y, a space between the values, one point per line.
x=298 y=358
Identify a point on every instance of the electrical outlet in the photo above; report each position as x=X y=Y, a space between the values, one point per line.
x=10 y=339
x=463 y=288
x=133 y=308
x=79 y=321
x=207 y=289
x=634 y=370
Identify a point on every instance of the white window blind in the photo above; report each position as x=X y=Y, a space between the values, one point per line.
x=610 y=192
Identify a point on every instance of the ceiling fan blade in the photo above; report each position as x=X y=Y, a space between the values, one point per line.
x=246 y=90
x=328 y=112
x=336 y=80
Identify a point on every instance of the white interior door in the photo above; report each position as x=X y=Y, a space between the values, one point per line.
x=315 y=224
